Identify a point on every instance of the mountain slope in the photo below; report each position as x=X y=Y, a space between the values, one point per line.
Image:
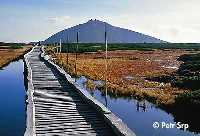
x=94 y=32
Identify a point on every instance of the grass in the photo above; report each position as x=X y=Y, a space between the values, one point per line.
x=9 y=53
x=139 y=65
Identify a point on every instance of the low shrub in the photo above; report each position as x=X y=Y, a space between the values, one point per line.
x=188 y=99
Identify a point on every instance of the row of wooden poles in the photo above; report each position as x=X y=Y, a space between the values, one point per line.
x=59 y=50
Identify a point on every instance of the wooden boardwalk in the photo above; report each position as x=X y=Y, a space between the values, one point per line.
x=57 y=108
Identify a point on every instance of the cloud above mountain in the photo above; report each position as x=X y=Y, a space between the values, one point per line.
x=59 y=19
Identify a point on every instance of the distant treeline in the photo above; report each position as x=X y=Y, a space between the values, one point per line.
x=92 y=47
x=11 y=45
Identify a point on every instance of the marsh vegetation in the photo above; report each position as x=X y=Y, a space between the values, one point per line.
x=132 y=68
x=10 y=52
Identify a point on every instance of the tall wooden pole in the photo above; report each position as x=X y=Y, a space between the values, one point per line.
x=57 y=47
x=77 y=40
x=54 y=44
x=60 y=46
x=77 y=36
x=106 y=43
x=67 y=49
x=60 y=51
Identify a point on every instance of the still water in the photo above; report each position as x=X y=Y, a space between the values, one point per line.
x=12 y=100
x=138 y=115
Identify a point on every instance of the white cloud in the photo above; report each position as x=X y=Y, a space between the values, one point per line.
x=59 y=19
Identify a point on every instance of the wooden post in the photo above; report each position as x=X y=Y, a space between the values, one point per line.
x=60 y=46
x=77 y=45
x=57 y=47
x=106 y=65
x=68 y=52
x=76 y=52
x=67 y=49
x=55 y=50
x=60 y=51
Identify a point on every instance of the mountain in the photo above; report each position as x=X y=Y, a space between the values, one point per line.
x=94 y=32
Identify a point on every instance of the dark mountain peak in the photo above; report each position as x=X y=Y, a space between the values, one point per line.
x=93 y=31
x=96 y=22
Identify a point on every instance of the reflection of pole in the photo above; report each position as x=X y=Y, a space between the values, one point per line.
x=106 y=43
x=106 y=100
x=138 y=106
x=144 y=106
x=141 y=106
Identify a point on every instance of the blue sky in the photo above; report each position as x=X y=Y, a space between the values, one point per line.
x=33 y=20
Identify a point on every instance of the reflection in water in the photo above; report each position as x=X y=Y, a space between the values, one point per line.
x=12 y=100
x=141 y=106
x=140 y=114
x=106 y=101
